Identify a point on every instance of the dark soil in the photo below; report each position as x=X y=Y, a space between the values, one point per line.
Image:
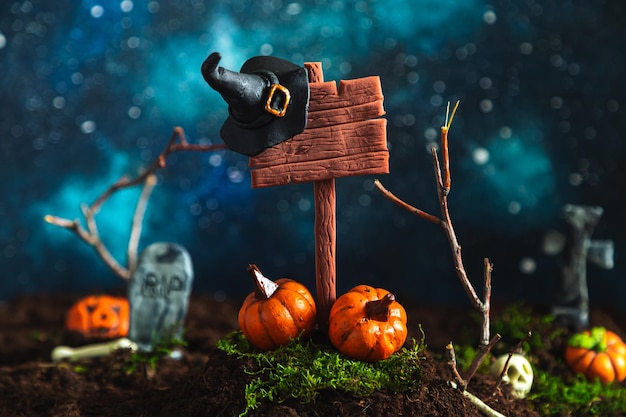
x=207 y=382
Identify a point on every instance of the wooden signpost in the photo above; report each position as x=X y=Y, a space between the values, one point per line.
x=345 y=136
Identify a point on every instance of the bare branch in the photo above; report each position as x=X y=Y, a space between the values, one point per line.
x=72 y=225
x=485 y=345
x=444 y=145
x=390 y=196
x=443 y=180
x=508 y=359
x=437 y=168
x=452 y=364
x=483 y=350
x=483 y=407
x=446 y=224
x=177 y=142
x=172 y=146
x=96 y=242
x=140 y=210
x=486 y=307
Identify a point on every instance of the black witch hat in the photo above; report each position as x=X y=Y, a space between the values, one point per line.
x=267 y=100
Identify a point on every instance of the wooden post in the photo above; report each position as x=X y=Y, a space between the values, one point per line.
x=325 y=245
x=325 y=230
x=343 y=137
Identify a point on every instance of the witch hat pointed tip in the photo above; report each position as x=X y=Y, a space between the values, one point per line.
x=209 y=66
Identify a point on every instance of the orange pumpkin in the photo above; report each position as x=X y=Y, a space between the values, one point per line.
x=598 y=353
x=367 y=324
x=276 y=312
x=100 y=316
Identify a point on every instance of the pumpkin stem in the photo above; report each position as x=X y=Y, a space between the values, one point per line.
x=264 y=287
x=379 y=309
x=595 y=340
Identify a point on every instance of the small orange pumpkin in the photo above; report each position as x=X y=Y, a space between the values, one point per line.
x=367 y=324
x=101 y=316
x=597 y=353
x=276 y=312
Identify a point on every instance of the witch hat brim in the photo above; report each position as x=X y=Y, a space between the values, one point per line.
x=267 y=101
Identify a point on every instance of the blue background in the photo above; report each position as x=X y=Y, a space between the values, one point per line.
x=90 y=91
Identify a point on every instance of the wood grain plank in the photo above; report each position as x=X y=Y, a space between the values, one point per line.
x=341 y=115
x=345 y=136
x=326 y=95
x=326 y=143
x=362 y=164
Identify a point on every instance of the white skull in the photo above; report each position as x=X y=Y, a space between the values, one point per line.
x=519 y=373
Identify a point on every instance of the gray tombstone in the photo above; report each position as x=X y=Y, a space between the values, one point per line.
x=572 y=301
x=158 y=294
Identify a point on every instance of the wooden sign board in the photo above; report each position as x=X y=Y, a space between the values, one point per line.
x=343 y=137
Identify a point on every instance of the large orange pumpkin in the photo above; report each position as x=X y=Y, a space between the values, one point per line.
x=276 y=312
x=367 y=324
x=597 y=353
x=101 y=316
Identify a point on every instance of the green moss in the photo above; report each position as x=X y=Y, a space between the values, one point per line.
x=165 y=348
x=303 y=368
x=514 y=322
x=551 y=396
x=80 y=369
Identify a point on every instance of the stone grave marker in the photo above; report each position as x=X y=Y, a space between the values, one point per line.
x=572 y=300
x=158 y=293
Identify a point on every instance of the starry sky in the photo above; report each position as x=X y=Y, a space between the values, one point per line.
x=90 y=91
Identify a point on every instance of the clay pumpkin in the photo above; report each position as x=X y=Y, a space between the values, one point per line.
x=597 y=353
x=100 y=316
x=276 y=312
x=367 y=324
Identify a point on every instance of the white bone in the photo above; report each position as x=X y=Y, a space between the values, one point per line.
x=91 y=351
x=519 y=373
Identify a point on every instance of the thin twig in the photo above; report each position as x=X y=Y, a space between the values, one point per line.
x=487 y=270
x=455 y=247
x=98 y=245
x=452 y=364
x=72 y=225
x=445 y=221
x=443 y=180
x=444 y=147
x=483 y=407
x=438 y=176
x=483 y=350
x=485 y=345
x=172 y=146
x=389 y=195
x=135 y=231
x=508 y=359
x=177 y=142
